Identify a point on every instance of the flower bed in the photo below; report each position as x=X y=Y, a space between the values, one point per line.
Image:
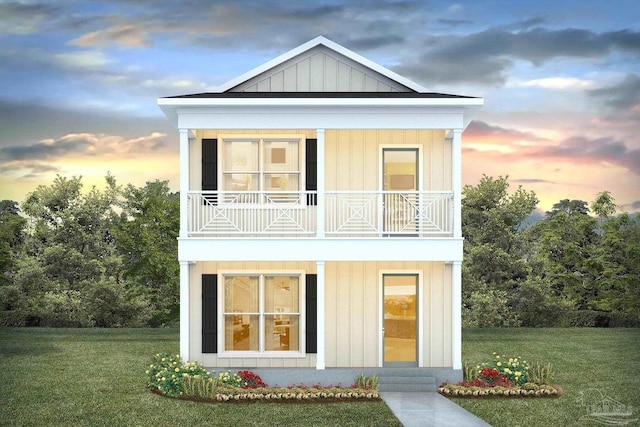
x=504 y=377
x=526 y=390
x=169 y=376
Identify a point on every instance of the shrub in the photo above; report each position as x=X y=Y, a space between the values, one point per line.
x=541 y=374
x=366 y=383
x=469 y=372
x=514 y=369
x=167 y=372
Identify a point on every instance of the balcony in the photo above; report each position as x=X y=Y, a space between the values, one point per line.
x=345 y=214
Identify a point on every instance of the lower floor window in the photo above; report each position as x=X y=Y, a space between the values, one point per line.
x=262 y=312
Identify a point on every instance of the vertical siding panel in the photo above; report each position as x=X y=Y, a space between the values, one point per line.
x=371 y=158
x=427 y=143
x=446 y=347
x=330 y=74
x=290 y=79
x=303 y=77
x=344 y=77
x=357 y=81
x=426 y=316
x=252 y=88
x=331 y=318
x=357 y=165
x=371 y=309
x=342 y=161
x=382 y=87
x=265 y=85
x=438 y=316
x=437 y=156
x=446 y=170
x=277 y=82
x=370 y=84
x=330 y=148
x=356 y=313
x=343 y=306
x=316 y=72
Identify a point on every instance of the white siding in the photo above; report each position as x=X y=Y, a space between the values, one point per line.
x=320 y=70
x=353 y=299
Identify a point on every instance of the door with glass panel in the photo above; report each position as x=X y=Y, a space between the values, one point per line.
x=400 y=324
x=400 y=184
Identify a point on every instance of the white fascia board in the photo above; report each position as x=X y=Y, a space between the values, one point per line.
x=330 y=102
x=311 y=249
x=310 y=45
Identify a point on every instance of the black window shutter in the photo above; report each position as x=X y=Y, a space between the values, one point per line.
x=210 y=167
x=311 y=312
x=209 y=313
x=311 y=171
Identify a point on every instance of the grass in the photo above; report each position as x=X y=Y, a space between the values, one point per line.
x=95 y=377
x=607 y=360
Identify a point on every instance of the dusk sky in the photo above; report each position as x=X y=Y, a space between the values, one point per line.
x=79 y=81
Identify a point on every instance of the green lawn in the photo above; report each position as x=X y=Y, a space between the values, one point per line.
x=95 y=377
x=607 y=360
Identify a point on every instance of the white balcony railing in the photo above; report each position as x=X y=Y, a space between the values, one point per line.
x=346 y=213
x=389 y=213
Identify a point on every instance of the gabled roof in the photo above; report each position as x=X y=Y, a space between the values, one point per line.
x=332 y=46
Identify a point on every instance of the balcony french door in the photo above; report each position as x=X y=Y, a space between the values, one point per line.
x=401 y=204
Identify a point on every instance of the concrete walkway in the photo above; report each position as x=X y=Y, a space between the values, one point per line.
x=429 y=409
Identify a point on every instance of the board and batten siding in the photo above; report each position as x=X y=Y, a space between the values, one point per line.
x=195 y=313
x=352 y=302
x=352 y=157
x=320 y=70
x=352 y=312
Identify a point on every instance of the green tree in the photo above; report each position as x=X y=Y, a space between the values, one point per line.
x=71 y=258
x=494 y=252
x=146 y=233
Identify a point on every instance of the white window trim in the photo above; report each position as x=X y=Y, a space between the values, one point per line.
x=261 y=139
x=300 y=353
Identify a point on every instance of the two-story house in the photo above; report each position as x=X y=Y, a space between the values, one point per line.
x=320 y=219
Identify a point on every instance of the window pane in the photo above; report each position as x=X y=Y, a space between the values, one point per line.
x=281 y=156
x=241 y=181
x=282 y=332
x=281 y=182
x=240 y=294
x=241 y=156
x=241 y=332
x=281 y=294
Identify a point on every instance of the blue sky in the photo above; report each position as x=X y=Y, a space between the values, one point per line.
x=561 y=80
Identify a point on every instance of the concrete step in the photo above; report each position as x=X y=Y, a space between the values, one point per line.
x=406 y=380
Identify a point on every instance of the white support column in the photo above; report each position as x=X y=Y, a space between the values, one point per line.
x=184 y=182
x=184 y=310
x=320 y=198
x=321 y=314
x=456 y=181
x=456 y=314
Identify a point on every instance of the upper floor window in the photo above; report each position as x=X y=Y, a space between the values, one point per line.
x=262 y=164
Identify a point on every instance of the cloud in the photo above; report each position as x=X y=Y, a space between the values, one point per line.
x=29 y=169
x=84 y=145
x=21 y=18
x=127 y=36
x=533 y=181
x=82 y=61
x=485 y=57
x=557 y=83
x=481 y=129
x=623 y=95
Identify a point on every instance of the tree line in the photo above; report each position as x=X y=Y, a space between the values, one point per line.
x=568 y=269
x=108 y=258
x=100 y=258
